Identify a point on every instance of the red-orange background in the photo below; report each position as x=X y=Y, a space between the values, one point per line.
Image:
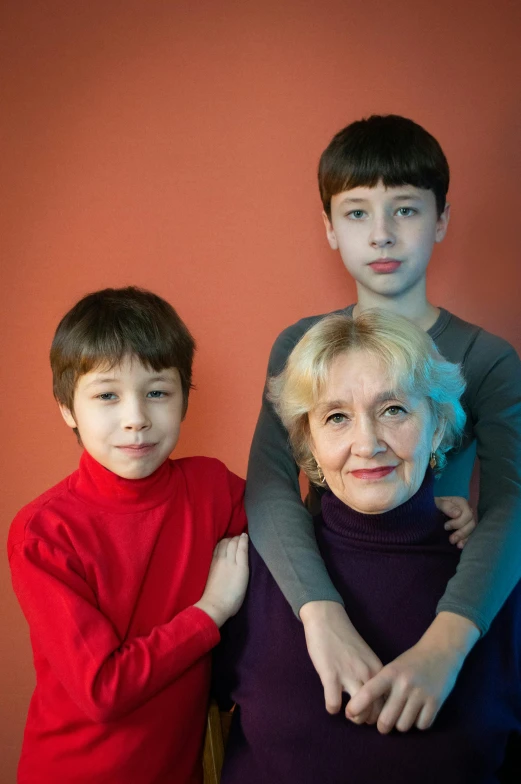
x=173 y=145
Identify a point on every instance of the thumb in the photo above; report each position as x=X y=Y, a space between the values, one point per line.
x=370 y=691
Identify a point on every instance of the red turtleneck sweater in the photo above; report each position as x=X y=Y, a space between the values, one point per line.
x=106 y=570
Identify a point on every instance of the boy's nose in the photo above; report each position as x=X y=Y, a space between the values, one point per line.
x=382 y=235
x=135 y=416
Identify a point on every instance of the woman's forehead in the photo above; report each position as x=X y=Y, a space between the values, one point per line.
x=360 y=374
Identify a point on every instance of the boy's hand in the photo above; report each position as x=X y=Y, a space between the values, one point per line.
x=462 y=518
x=343 y=661
x=417 y=683
x=227 y=579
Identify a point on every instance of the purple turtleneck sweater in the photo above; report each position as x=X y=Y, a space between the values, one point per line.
x=391 y=570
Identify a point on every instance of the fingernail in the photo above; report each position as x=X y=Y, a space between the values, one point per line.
x=447 y=526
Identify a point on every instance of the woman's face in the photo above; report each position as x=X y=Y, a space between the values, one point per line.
x=371 y=441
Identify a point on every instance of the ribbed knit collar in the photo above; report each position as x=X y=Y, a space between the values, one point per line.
x=96 y=484
x=410 y=523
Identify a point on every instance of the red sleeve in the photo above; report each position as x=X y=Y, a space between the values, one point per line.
x=104 y=675
x=237 y=522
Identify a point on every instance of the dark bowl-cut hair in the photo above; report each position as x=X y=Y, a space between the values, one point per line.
x=105 y=327
x=386 y=148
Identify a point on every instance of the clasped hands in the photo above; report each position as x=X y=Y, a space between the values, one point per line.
x=408 y=691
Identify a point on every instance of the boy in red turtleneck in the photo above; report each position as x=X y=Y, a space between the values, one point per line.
x=115 y=567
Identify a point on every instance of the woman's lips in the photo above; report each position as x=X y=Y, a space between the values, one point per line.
x=373 y=473
x=385 y=266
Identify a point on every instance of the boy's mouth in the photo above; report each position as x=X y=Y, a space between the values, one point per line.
x=137 y=449
x=385 y=266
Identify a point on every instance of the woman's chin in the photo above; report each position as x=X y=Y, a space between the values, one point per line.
x=372 y=502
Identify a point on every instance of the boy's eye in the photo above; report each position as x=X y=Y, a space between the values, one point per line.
x=106 y=396
x=406 y=212
x=356 y=214
x=157 y=393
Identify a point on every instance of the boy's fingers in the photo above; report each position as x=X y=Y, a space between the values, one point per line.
x=391 y=711
x=362 y=718
x=376 y=709
x=426 y=717
x=462 y=533
x=220 y=548
x=409 y=714
x=333 y=696
x=446 y=505
x=231 y=550
x=370 y=691
x=242 y=549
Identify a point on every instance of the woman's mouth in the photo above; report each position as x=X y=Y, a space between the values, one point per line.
x=373 y=473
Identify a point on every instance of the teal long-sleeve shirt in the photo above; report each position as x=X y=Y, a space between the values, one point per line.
x=490 y=566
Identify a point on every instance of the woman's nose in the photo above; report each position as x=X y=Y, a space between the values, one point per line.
x=366 y=442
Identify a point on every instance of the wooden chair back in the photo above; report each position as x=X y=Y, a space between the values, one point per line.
x=217 y=729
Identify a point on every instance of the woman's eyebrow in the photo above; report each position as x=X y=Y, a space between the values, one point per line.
x=381 y=397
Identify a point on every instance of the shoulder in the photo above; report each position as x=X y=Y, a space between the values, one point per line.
x=289 y=337
x=208 y=475
x=38 y=519
x=478 y=351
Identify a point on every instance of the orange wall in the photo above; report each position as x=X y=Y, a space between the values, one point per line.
x=174 y=145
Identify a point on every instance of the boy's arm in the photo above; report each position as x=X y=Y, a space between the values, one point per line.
x=279 y=525
x=490 y=565
x=237 y=522
x=105 y=675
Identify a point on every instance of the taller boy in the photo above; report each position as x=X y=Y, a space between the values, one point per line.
x=383 y=183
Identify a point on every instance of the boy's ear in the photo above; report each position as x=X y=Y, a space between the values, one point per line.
x=442 y=224
x=67 y=415
x=330 y=232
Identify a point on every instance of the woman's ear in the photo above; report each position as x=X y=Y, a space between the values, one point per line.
x=67 y=415
x=437 y=438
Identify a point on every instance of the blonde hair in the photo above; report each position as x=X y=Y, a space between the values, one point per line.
x=406 y=351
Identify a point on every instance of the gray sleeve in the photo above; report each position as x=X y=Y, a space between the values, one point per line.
x=280 y=527
x=490 y=565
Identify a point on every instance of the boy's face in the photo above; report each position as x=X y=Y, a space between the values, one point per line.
x=128 y=417
x=385 y=235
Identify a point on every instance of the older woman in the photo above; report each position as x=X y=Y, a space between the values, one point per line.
x=371 y=408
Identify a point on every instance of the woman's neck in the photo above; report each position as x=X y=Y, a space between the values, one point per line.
x=414 y=522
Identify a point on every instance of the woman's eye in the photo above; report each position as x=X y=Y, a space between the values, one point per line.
x=406 y=212
x=395 y=410
x=336 y=419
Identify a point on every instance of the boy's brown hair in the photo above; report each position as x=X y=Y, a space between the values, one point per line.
x=386 y=148
x=108 y=325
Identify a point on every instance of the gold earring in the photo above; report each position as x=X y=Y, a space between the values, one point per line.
x=433 y=461
x=321 y=477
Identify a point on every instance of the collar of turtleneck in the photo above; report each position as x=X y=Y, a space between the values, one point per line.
x=96 y=484
x=411 y=523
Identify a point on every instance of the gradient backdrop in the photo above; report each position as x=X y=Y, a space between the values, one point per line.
x=174 y=145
